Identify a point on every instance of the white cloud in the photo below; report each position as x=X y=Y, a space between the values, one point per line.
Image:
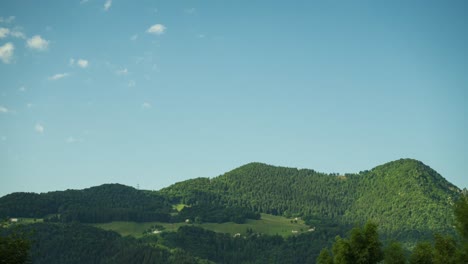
x=72 y=62
x=157 y=29
x=58 y=76
x=107 y=5
x=131 y=83
x=38 y=43
x=4 y=110
x=39 y=128
x=122 y=72
x=134 y=37
x=6 y=52
x=22 y=89
x=82 y=63
x=146 y=105
x=4 y=32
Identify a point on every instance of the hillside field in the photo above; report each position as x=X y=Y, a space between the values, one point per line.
x=268 y=224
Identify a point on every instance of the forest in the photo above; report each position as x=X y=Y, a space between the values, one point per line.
x=402 y=212
x=406 y=198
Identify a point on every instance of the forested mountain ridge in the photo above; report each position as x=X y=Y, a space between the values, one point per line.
x=405 y=197
x=104 y=203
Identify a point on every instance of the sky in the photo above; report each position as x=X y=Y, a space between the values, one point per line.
x=149 y=93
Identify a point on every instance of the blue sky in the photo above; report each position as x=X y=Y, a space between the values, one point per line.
x=150 y=93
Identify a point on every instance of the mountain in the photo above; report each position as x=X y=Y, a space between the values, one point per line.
x=406 y=198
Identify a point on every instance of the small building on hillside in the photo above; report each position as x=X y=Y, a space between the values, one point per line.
x=13 y=220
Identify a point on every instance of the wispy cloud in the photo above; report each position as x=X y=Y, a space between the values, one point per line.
x=4 y=32
x=72 y=62
x=22 y=89
x=17 y=34
x=146 y=105
x=190 y=11
x=38 y=43
x=39 y=128
x=107 y=5
x=131 y=83
x=7 y=19
x=84 y=2
x=157 y=29
x=122 y=72
x=58 y=76
x=82 y=63
x=71 y=140
x=6 y=52
x=4 y=110
x=134 y=37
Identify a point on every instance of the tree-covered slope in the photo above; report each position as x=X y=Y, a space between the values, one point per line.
x=405 y=197
x=108 y=202
x=78 y=243
x=270 y=189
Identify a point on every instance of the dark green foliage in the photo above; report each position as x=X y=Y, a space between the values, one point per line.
x=394 y=254
x=14 y=245
x=422 y=254
x=77 y=243
x=342 y=252
x=108 y=202
x=324 y=257
x=363 y=246
x=461 y=215
x=253 y=248
x=445 y=250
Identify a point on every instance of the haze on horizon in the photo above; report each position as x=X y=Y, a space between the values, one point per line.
x=150 y=93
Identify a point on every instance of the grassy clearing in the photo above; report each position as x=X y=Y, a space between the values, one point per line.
x=24 y=220
x=179 y=207
x=268 y=224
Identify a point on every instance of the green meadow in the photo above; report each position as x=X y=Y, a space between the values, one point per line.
x=268 y=224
